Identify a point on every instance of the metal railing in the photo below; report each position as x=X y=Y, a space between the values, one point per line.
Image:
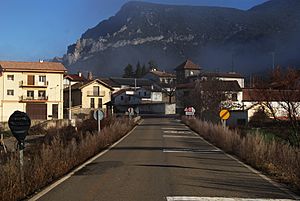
x=24 y=83
x=95 y=93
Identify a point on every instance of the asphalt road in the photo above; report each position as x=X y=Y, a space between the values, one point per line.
x=163 y=160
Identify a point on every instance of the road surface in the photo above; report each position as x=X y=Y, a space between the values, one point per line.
x=163 y=160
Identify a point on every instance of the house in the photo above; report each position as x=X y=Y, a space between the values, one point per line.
x=147 y=100
x=186 y=70
x=32 y=87
x=273 y=102
x=123 y=83
x=232 y=94
x=71 y=79
x=230 y=76
x=160 y=77
x=86 y=97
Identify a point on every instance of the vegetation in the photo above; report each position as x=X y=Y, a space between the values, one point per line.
x=274 y=157
x=139 y=72
x=60 y=151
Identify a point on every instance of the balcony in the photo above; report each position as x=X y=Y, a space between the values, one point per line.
x=30 y=99
x=24 y=83
x=96 y=93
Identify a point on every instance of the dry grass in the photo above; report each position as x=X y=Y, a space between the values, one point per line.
x=275 y=158
x=61 y=151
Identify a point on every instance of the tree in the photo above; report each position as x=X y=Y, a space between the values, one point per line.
x=128 y=71
x=280 y=95
x=152 y=64
x=138 y=70
x=144 y=70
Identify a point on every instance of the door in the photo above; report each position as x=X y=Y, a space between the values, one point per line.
x=55 y=111
x=36 y=111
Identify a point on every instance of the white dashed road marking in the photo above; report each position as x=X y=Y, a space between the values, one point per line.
x=189 y=151
x=181 y=136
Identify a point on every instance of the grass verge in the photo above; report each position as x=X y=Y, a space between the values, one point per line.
x=275 y=158
x=61 y=151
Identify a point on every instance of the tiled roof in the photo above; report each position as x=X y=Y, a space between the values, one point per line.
x=222 y=86
x=187 y=65
x=80 y=85
x=31 y=66
x=75 y=77
x=162 y=74
x=220 y=74
x=255 y=95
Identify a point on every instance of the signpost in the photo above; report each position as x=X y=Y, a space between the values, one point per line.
x=189 y=111
x=98 y=115
x=19 y=124
x=224 y=115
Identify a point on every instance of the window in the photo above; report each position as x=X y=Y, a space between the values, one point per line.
x=122 y=98
x=30 y=94
x=92 y=103
x=10 y=77
x=234 y=97
x=42 y=78
x=145 y=93
x=42 y=94
x=96 y=90
x=99 y=102
x=10 y=92
x=129 y=98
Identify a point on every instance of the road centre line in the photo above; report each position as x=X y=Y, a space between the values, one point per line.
x=58 y=182
x=187 y=198
x=189 y=151
x=179 y=132
x=181 y=136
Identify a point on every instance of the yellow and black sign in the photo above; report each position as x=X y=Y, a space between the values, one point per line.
x=224 y=114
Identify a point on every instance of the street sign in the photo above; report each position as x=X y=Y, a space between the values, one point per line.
x=189 y=111
x=224 y=114
x=130 y=110
x=19 y=124
x=98 y=114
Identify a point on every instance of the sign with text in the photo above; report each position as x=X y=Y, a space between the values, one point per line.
x=189 y=111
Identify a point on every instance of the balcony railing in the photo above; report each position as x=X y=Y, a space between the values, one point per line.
x=96 y=94
x=24 y=83
x=33 y=99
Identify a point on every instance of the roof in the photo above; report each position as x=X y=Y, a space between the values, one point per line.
x=255 y=95
x=162 y=73
x=32 y=66
x=118 y=82
x=223 y=85
x=187 y=65
x=222 y=74
x=81 y=85
x=75 y=77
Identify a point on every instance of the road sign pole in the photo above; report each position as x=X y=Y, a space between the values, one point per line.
x=99 y=126
x=21 y=145
x=223 y=123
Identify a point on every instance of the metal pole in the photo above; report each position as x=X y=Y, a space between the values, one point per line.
x=99 y=123
x=70 y=102
x=21 y=152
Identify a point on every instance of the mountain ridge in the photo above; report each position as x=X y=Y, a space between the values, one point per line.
x=169 y=34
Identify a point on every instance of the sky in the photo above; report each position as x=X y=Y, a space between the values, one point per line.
x=42 y=29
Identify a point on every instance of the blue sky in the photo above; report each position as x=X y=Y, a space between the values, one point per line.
x=41 y=29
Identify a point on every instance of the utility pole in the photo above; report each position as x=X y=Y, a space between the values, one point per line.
x=273 y=60
x=70 y=102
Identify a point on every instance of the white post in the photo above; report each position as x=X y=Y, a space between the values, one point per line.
x=99 y=123
x=21 y=153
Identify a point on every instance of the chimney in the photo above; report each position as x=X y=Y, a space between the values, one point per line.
x=79 y=74
x=90 y=76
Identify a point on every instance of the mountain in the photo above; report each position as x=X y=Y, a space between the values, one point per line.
x=216 y=38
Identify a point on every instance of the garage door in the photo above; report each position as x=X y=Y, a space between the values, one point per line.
x=36 y=111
